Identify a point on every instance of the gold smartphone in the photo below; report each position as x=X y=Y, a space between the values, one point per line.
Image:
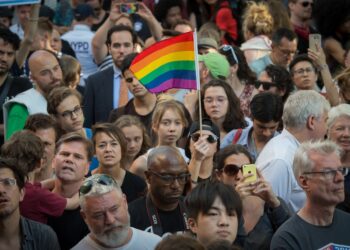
x=314 y=41
x=249 y=169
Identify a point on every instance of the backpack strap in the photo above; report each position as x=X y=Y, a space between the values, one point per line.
x=237 y=136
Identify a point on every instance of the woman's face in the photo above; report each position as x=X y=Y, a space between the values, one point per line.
x=210 y=139
x=339 y=132
x=70 y=116
x=229 y=174
x=134 y=137
x=170 y=128
x=108 y=150
x=215 y=103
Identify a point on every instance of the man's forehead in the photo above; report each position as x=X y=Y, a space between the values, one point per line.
x=73 y=147
x=6 y=172
x=6 y=45
x=121 y=36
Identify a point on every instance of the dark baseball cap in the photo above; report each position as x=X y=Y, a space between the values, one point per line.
x=83 y=11
x=6 y=12
x=207 y=124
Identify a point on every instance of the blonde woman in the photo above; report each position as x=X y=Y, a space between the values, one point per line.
x=257 y=29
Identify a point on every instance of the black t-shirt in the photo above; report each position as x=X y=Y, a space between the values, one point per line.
x=171 y=221
x=70 y=228
x=133 y=186
x=129 y=109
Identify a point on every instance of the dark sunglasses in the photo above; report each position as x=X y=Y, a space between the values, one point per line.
x=210 y=138
x=306 y=4
x=266 y=85
x=129 y=79
x=231 y=169
x=101 y=179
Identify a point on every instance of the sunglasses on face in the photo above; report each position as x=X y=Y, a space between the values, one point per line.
x=102 y=179
x=231 y=169
x=210 y=138
x=266 y=85
x=306 y=4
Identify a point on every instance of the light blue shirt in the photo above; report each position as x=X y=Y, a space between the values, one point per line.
x=260 y=64
x=116 y=87
x=245 y=140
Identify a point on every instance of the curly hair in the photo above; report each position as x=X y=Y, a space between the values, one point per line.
x=26 y=148
x=56 y=97
x=162 y=7
x=257 y=20
x=281 y=76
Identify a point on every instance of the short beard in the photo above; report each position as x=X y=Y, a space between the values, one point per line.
x=113 y=238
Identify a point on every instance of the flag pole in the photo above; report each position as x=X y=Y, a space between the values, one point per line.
x=198 y=87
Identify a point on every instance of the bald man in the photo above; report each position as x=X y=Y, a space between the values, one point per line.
x=46 y=74
x=162 y=210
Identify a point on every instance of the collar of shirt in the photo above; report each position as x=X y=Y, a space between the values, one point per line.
x=81 y=27
x=117 y=72
x=286 y=133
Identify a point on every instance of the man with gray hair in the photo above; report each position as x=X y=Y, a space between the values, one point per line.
x=318 y=224
x=105 y=211
x=304 y=118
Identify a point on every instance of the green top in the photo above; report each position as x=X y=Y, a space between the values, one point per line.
x=16 y=119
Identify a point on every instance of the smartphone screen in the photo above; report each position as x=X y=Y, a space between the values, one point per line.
x=249 y=169
x=314 y=39
x=129 y=8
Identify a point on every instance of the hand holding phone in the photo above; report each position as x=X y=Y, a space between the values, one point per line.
x=249 y=169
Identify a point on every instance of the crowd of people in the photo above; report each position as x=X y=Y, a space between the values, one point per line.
x=90 y=159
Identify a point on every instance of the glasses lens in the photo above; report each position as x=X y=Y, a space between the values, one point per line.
x=231 y=170
x=195 y=137
x=257 y=84
x=211 y=139
x=86 y=187
x=266 y=86
x=306 y=4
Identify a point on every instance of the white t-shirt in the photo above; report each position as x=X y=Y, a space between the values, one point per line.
x=140 y=240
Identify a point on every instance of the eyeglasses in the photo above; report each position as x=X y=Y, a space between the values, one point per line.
x=231 y=169
x=129 y=79
x=306 y=4
x=101 y=179
x=8 y=182
x=302 y=71
x=329 y=174
x=266 y=85
x=69 y=113
x=169 y=179
x=211 y=138
x=226 y=48
x=287 y=52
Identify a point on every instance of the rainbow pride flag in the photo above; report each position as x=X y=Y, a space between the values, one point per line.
x=167 y=64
